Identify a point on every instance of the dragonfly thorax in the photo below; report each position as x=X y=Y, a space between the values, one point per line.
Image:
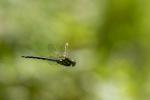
x=66 y=61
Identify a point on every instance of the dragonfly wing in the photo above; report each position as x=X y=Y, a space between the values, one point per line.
x=53 y=51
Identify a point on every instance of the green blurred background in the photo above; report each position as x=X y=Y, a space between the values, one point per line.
x=110 y=40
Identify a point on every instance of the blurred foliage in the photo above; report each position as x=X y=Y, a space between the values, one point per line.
x=108 y=38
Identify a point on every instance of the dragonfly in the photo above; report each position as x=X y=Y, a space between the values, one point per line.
x=62 y=60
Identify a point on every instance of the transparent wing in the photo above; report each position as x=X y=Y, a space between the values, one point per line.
x=53 y=50
x=65 y=54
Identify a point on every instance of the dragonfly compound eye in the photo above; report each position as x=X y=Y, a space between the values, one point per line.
x=73 y=63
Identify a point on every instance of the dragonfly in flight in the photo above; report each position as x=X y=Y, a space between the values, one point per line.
x=62 y=60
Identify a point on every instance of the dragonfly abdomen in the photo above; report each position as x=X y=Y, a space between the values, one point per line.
x=42 y=58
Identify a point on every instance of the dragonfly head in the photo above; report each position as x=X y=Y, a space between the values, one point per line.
x=73 y=63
